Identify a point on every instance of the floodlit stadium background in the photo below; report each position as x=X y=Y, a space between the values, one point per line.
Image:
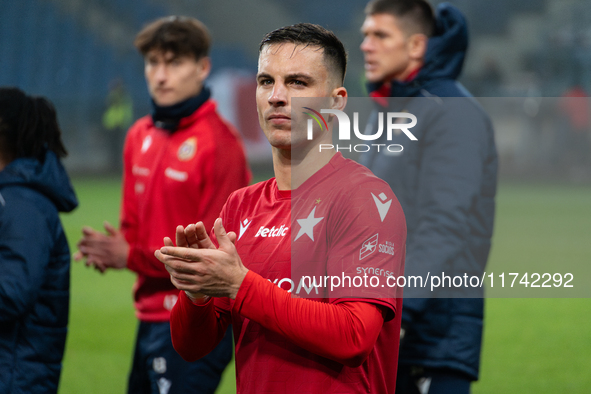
x=72 y=51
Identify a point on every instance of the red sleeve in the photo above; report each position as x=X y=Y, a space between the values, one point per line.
x=196 y=329
x=129 y=214
x=345 y=332
x=140 y=260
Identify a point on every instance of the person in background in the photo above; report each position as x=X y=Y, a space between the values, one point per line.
x=34 y=252
x=180 y=164
x=445 y=181
x=116 y=120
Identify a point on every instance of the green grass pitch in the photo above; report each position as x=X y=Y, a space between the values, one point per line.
x=530 y=345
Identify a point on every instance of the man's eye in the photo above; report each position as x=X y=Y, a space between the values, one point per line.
x=299 y=83
x=265 y=82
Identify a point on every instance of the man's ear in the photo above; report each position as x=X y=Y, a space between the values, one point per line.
x=204 y=67
x=339 y=98
x=417 y=46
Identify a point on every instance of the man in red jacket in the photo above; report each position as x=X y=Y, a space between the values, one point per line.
x=180 y=165
x=322 y=212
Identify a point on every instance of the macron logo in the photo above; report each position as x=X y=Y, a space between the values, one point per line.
x=272 y=232
x=243 y=226
x=146 y=144
x=382 y=205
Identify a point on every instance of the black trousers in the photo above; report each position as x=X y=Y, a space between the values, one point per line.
x=158 y=369
x=419 y=380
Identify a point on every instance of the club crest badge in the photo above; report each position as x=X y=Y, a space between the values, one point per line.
x=187 y=149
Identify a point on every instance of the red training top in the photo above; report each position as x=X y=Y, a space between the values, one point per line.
x=171 y=179
x=346 y=222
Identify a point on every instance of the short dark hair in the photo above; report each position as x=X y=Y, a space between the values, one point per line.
x=309 y=34
x=417 y=13
x=28 y=126
x=183 y=36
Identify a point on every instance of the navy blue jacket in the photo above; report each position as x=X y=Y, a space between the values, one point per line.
x=446 y=184
x=34 y=274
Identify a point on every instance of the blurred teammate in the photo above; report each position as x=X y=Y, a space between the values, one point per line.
x=446 y=183
x=180 y=165
x=117 y=118
x=317 y=211
x=34 y=252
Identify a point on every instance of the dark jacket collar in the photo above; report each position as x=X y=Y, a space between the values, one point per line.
x=168 y=118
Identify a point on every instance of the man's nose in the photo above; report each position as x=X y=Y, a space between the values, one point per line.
x=160 y=74
x=366 y=45
x=278 y=96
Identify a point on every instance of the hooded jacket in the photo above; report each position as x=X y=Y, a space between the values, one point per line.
x=34 y=274
x=446 y=184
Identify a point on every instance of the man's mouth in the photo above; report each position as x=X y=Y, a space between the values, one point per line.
x=278 y=118
x=369 y=65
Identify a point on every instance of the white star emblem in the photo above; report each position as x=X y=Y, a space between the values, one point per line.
x=307 y=225
x=369 y=247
